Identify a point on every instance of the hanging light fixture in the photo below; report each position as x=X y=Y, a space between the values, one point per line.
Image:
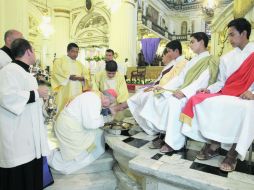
x=209 y=7
x=45 y=27
x=113 y=5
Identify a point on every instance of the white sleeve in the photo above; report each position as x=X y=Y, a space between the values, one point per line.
x=12 y=97
x=90 y=111
x=216 y=87
x=4 y=59
x=200 y=82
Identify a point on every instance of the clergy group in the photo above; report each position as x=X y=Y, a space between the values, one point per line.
x=207 y=98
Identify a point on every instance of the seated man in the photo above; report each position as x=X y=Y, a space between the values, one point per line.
x=77 y=130
x=175 y=62
x=161 y=111
x=224 y=112
x=111 y=79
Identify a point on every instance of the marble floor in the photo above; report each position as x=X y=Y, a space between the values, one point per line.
x=180 y=168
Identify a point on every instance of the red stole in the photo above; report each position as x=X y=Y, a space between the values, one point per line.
x=235 y=85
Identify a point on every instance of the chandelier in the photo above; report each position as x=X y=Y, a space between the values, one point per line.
x=45 y=27
x=209 y=6
x=113 y=5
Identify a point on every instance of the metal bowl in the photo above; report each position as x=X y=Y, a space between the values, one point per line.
x=117 y=128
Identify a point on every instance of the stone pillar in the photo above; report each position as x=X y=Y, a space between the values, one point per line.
x=123 y=31
x=145 y=7
x=61 y=37
x=13 y=15
x=159 y=19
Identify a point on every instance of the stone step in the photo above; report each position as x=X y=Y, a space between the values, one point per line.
x=96 y=176
x=104 y=163
x=96 y=181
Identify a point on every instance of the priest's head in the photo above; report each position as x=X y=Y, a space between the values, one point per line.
x=111 y=68
x=239 y=31
x=108 y=97
x=199 y=42
x=109 y=55
x=72 y=51
x=10 y=36
x=23 y=51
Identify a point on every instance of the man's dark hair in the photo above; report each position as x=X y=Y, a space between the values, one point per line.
x=19 y=47
x=175 y=44
x=111 y=66
x=201 y=36
x=110 y=51
x=165 y=51
x=241 y=24
x=71 y=45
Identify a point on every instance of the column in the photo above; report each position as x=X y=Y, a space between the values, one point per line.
x=61 y=39
x=123 y=31
x=13 y=15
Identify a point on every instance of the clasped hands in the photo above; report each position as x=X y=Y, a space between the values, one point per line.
x=76 y=78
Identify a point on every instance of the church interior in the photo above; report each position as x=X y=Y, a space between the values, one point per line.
x=125 y=26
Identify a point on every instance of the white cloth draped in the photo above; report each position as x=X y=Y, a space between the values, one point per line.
x=139 y=99
x=225 y=119
x=161 y=112
x=4 y=59
x=229 y=120
x=22 y=130
x=80 y=140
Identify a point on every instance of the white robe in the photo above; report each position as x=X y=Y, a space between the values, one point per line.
x=22 y=131
x=161 y=112
x=77 y=130
x=225 y=119
x=4 y=59
x=138 y=100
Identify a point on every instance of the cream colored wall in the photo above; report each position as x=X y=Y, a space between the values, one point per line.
x=13 y=15
x=123 y=31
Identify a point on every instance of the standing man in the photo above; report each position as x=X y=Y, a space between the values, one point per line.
x=69 y=77
x=23 y=139
x=5 y=52
x=109 y=56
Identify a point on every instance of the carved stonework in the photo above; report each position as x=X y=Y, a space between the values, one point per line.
x=241 y=9
x=33 y=26
x=74 y=16
x=95 y=21
x=223 y=36
x=92 y=30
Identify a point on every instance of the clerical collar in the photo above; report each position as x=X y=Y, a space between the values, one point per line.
x=7 y=51
x=23 y=65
